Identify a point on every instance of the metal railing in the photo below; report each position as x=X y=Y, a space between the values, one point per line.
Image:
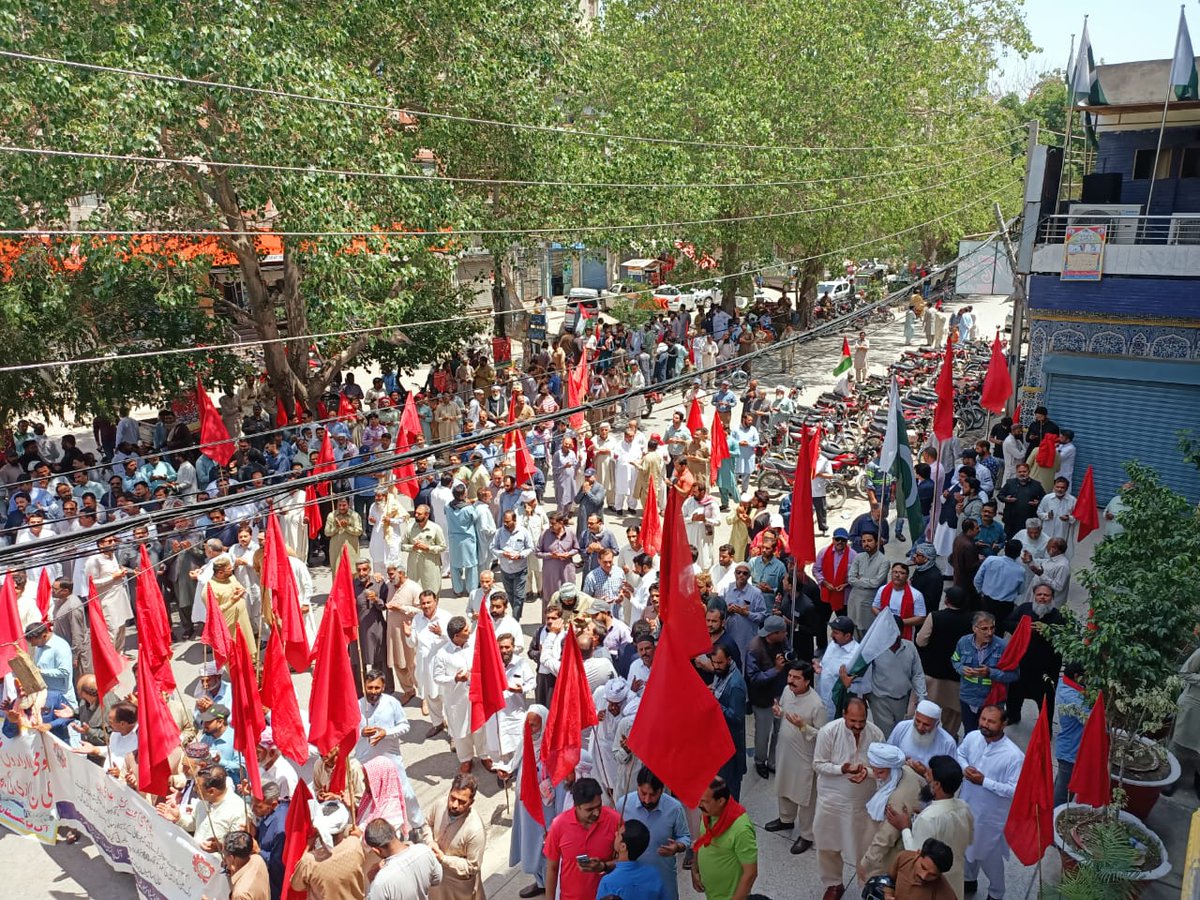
x=1179 y=229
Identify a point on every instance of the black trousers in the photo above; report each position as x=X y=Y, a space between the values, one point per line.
x=1039 y=689
x=819 y=509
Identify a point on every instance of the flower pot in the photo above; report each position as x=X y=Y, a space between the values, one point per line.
x=1072 y=857
x=1141 y=795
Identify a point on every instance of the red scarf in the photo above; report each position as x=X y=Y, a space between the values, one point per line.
x=713 y=830
x=906 y=607
x=836 y=599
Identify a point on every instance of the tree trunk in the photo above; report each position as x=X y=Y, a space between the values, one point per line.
x=809 y=273
x=731 y=265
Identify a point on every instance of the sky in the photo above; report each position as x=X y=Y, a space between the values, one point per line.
x=1120 y=30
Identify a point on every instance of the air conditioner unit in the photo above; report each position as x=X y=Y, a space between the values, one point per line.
x=1122 y=227
x=1185 y=229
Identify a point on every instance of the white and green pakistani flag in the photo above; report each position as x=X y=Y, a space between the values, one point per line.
x=896 y=459
x=879 y=637
x=1183 y=68
x=1085 y=84
x=844 y=363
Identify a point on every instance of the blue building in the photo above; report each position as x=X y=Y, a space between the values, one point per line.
x=1117 y=359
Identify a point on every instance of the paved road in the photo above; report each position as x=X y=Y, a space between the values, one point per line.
x=34 y=871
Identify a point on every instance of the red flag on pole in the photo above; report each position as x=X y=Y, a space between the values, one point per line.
x=997 y=384
x=1047 y=452
x=522 y=457
x=44 y=589
x=343 y=595
x=651 y=524
x=802 y=543
x=410 y=422
x=1030 y=827
x=281 y=416
x=333 y=714
x=1017 y=413
x=158 y=733
x=12 y=634
x=577 y=389
x=680 y=732
x=247 y=710
x=278 y=579
x=322 y=411
x=405 y=472
x=1086 y=513
x=1010 y=659
x=299 y=412
x=216 y=632
x=325 y=463
x=346 y=410
x=107 y=664
x=679 y=599
x=297 y=829
x=695 y=419
x=571 y=711
x=488 y=678
x=531 y=794
x=312 y=511
x=154 y=629
x=214 y=436
x=279 y=695
x=1091 y=779
x=943 y=413
x=718 y=450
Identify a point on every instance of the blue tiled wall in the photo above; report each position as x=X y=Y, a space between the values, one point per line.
x=1139 y=297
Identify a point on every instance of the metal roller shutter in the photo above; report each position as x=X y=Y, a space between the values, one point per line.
x=1136 y=415
x=595 y=273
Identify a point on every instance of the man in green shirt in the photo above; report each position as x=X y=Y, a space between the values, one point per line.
x=727 y=850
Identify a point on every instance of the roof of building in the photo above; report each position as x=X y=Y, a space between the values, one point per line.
x=1137 y=85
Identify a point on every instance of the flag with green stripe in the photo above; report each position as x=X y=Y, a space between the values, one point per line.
x=897 y=460
x=1183 y=67
x=844 y=363
x=879 y=637
x=1085 y=84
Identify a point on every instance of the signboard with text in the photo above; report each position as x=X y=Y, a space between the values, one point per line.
x=1083 y=252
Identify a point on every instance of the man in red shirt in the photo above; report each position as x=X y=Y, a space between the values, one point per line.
x=579 y=844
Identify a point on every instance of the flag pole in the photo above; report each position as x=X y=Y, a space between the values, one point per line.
x=1070 y=125
x=1162 y=126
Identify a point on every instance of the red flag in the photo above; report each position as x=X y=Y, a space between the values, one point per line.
x=679 y=599
x=43 y=595
x=695 y=419
x=577 y=389
x=299 y=412
x=488 y=678
x=297 y=829
x=943 y=413
x=523 y=458
x=651 y=524
x=12 y=634
x=531 y=794
x=247 y=709
x=802 y=543
x=410 y=422
x=346 y=410
x=343 y=595
x=277 y=578
x=1047 y=453
x=405 y=472
x=1030 y=828
x=281 y=416
x=158 y=733
x=718 y=447
x=1017 y=413
x=680 y=732
x=312 y=511
x=571 y=710
x=1086 y=512
x=107 y=664
x=1091 y=780
x=325 y=463
x=153 y=626
x=279 y=696
x=216 y=632
x=997 y=384
x=214 y=436
x=691 y=345
x=1010 y=659
x=333 y=714
x=322 y=411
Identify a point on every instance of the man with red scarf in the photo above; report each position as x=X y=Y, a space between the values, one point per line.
x=727 y=849
x=831 y=571
x=902 y=600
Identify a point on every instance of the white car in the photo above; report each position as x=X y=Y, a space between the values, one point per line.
x=672 y=297
x=838 y=289
x=711 y=293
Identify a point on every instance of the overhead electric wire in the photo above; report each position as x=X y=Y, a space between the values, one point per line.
x=483 y=232
x=373 y=467
x=471 y=120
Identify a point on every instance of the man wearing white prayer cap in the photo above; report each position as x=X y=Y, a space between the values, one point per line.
x=898 y=787
x=944 y=817
x=610 y=698
x=923 y=737
x=333 y=868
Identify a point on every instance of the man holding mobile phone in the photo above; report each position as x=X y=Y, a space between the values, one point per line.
x=579 y=844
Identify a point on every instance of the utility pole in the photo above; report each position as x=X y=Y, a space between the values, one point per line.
x=1020 y=258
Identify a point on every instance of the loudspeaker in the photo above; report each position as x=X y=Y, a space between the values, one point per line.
x=1102 y=187
x=1054 y=161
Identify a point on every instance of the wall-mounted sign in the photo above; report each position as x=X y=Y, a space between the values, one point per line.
x=1083 y=252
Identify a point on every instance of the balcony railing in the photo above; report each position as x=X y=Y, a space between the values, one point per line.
x=1180 y=229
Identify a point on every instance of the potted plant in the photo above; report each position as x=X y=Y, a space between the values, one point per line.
x=1105 y=857
x=1139 y=628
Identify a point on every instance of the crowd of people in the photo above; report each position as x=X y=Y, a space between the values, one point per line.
x=902 y=770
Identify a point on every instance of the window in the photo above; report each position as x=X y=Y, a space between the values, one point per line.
x=1190 y=167
x=1143 y=162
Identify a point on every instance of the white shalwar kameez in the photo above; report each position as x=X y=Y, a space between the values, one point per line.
x=504 y=730
x=1000 y=762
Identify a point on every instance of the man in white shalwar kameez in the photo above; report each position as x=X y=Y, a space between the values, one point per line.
x=452 y=673
x=841 y=652
x=382 y=726
x=991 y=765
x=604 y=446
x=504 y=729
x=801 y=714
x=1055 y=510
x=701 y=513
x=626 y=452
x=923 y=737
x=842 y=829
x=428 y=636
x=610 y=698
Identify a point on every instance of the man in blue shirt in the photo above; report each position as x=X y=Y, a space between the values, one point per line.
x=1000 y=580
x=724 y=401
x=630 y=879
x=219 y=738
x=666 y=822
x=1073 y=711
x=271 y=815
x=52 y=656
x=766 y=570
x=990 y=539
